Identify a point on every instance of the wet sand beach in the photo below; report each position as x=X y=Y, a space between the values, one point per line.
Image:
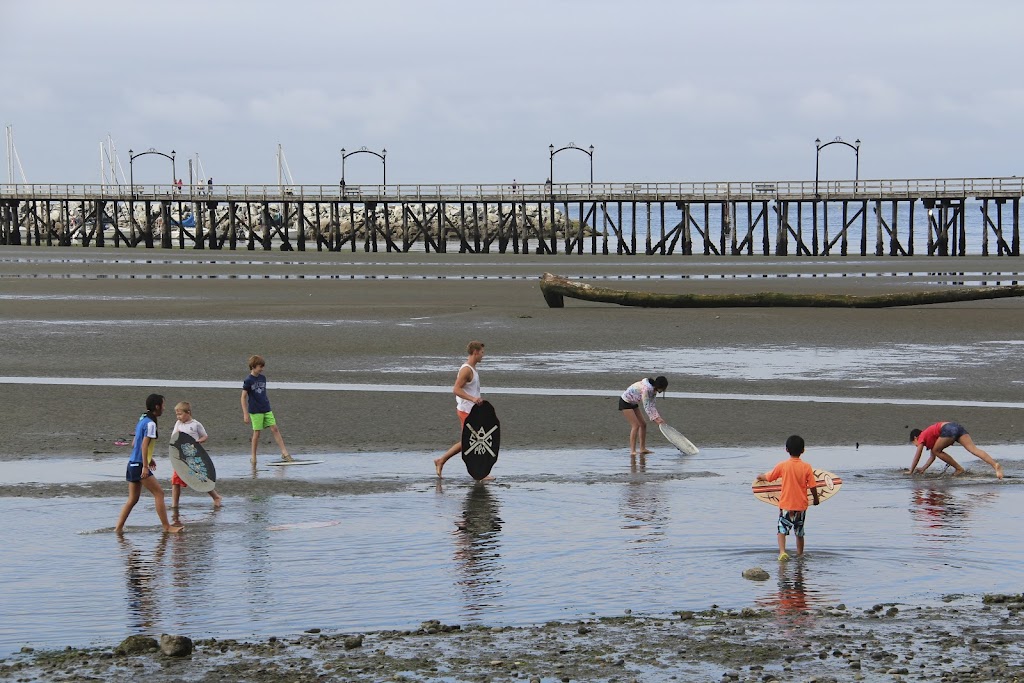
x=183 y=323
x=180 y=316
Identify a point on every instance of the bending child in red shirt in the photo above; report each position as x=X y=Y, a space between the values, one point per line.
x=940 y=436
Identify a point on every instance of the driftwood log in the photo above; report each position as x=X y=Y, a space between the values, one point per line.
x=555 y=288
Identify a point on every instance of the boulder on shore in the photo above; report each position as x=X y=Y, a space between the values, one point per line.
x=175 y=646
x=135 y=645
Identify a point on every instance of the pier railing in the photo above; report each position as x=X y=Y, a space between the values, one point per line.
x=789 y=190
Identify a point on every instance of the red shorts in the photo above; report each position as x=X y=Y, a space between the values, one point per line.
x=176 y=481
x=462 y=418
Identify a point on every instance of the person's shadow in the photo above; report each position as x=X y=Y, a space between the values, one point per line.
x=477 y=547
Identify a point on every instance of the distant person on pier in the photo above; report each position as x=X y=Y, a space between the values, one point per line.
x=940 y=436
x=177 y=186
x=209 y=186
x=642 y=393
x=467 y=395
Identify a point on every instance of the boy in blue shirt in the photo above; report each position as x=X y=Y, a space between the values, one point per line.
x=141 y=466
x=256 y=407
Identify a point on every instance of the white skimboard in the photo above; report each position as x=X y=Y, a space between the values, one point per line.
x=286 y=463
x=678 y=440
x=303 y=525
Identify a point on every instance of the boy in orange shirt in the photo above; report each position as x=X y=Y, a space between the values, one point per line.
x=797 y=477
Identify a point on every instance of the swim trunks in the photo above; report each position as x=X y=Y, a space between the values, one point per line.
x=261 y=421
x=792 y=520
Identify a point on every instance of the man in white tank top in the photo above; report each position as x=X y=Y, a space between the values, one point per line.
x=467 y=394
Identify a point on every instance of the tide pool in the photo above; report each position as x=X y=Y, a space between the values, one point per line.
x=560 y=534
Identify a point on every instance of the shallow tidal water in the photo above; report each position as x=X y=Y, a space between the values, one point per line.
x=560 y=534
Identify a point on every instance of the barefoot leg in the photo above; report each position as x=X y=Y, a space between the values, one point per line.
x=634 y=420
x=134 y=491
x=968 y=443
x=153 y=487
x=285 y=455
x=939 y=451
x=448 y=455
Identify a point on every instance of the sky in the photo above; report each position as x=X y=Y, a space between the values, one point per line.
x=475 y=92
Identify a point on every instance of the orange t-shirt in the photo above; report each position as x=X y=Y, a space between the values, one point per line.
x=797 y=477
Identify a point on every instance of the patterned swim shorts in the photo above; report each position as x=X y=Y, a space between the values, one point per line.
x=792 y=520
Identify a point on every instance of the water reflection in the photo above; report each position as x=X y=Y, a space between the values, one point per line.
x=477 y=549
x=943 y=514
x=257 y=575
x=643 y=510
x=935 y=513
x=192 y=561
x=142 y=576
x=637 y=464
x=794 y=600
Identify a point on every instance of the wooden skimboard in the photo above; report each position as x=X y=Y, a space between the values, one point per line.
x=768 y=492
x=481 y=438
x=285 y=463
x=676 y=438
x=192 y=463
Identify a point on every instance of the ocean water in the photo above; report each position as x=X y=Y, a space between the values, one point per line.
x=379 y=543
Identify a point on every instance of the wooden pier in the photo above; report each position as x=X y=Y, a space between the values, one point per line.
x=944 y=217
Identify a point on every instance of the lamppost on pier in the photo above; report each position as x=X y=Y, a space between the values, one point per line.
x=838 y=141
x=382 y=155
x=131 y=167
x=572 y=145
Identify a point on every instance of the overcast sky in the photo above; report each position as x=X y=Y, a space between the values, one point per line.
x=476 y=91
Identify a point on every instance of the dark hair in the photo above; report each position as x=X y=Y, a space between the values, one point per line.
x=914 y=433
x=795 y=446
x=154 y=400
x=660 y=382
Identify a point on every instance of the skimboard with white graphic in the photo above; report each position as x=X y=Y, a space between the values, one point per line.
x=192 y=463
x=828 y=485
x=481 y=438
x=676 y=438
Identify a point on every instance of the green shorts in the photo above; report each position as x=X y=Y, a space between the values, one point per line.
x=261 y=421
